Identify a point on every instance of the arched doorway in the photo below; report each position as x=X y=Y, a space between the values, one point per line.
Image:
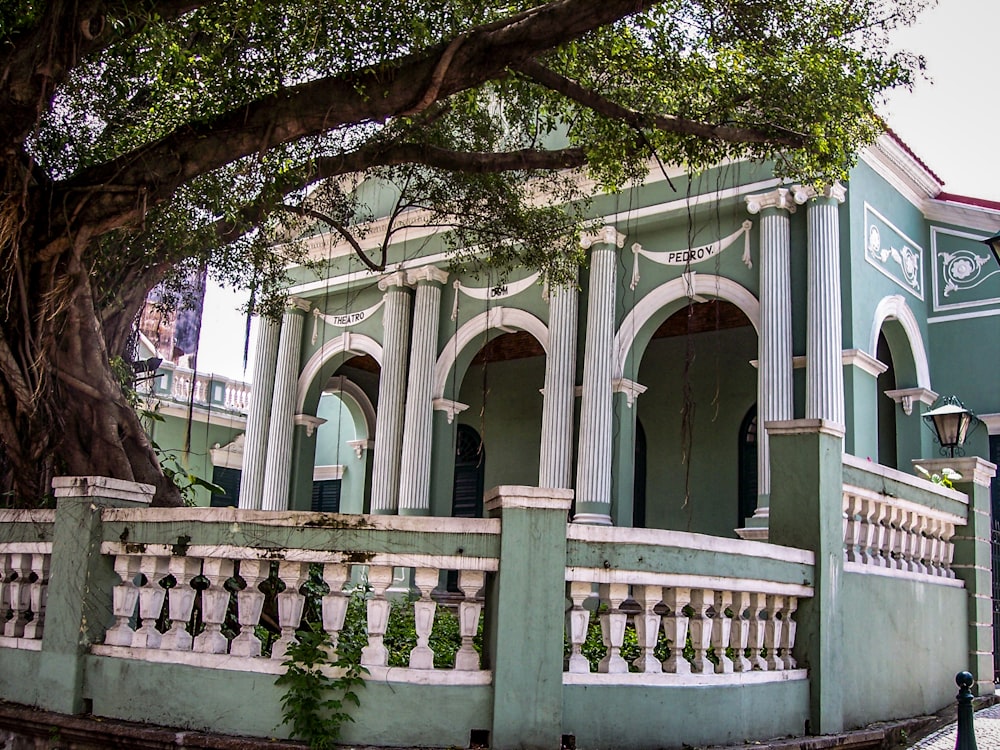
x=470 y=472
x=748 y=467
x=885 y=406
x=639 y=480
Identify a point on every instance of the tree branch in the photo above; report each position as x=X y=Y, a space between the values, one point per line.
x=639 y=120
x=117 y=192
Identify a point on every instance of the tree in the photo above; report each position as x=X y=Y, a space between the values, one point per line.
x=144 y=138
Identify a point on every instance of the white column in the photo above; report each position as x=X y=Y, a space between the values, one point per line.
x=415 y=470
x=555 y=463
x=278 y=470
x=593 y=472
x=391 y=393
x=259 y=414
x=824 y=362
x=774 y=341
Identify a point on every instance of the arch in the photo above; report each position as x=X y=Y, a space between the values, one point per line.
x=894 y=307
x=503 y=318
x=353 y=343
x=689 y=285
x=357 y=403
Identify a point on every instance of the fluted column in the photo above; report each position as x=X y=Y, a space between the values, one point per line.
x=278 y=470
x=391 y=393
x=824 y=364
x=259 y=414
x=415 y=470
x=555 y=463
x=775 y=395
x=593 y=471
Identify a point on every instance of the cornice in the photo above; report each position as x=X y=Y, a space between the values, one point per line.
x=897 y=166
x=980 y=218
x=777 y=198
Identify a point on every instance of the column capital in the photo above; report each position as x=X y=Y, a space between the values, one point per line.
x=906 y=397
x=426 y=273
x=630 y=388
x=607 y=235
x=297 y=303
x=309 y=422
x=805 y=193
x=449 y=407
x=777 y=198
x=396 y=278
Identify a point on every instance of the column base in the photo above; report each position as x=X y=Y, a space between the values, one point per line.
x=757 y=525
x=594 y=519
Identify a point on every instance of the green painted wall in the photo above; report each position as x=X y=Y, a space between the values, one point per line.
x=171 y=435
x=723 y=387
x=510 y=424
x=903 y=643
x=663 y=717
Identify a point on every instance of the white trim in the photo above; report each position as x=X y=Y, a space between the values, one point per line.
x=979 y=218
x=992 y=422
x=353 y=343
x=906 y=396
x=687 y=580
x=894 y=307
x=667 y=679
x=343 y=387
x=200 y=413
x=934 y=262
x=449 y=407
x=25 y=548
x=308 y=421
x=917 y=292
x=963 y=316
x=805 y=427
x=326 y=473
x=863 y=361
x=685 y=204
x=909 y=479
x=229 y=456
x=905 y=575
x=102 y=487
x=28 y=515
x=687 y=540
x=630 y=388
x=267 y=665
x=682 y=287
x=897 y=167
x=518 y=496
x=25 y=644
x=502 y=318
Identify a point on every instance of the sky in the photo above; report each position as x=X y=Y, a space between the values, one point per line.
x=951 y=120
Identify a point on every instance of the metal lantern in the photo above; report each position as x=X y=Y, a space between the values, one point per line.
x=994 y=244
x=952 y=423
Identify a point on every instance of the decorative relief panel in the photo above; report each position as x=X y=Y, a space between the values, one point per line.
x=965 y=273
x=893 y=253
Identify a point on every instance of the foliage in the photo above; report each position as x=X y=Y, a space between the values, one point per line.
x=143 y=141
x=946 y=478
x=314 y=703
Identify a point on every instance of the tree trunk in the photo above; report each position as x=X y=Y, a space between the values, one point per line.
x=62 y=409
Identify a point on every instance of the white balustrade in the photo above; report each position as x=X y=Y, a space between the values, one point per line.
x=724 y=631
x=24 y=583
x=189 y=386
x=899 y=537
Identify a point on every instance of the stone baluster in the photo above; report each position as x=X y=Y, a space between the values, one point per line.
x=907 y=541
x=880 y=522
x=869 y=532
x=20 y=595
x=180 y=603
x=259 y=414
x=421 y=655
x=38 y=594
x=214 y=603
x=375 y=654
x=892 y=519
x=290 y=604
x=6 y=573
x=613 y=623
x=470 y=582
x=578 y=622
x=278 y=469
x=722 y=625
x=392 y=393
x=675 y=626
x=415 y=465
x=125 y=596
x=647 y=628
x=758 y=606
x=788 y=633
x=335 y=602
x=701 y=630
x=249 y=605
x=594 y=457
x=739 y=636
x=949 y=549
x=152 y=568
x=824 y=364
x=773 y=631
x=855 y=527
x=555 y=464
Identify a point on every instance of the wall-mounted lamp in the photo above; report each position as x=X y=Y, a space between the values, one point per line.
x=952 y=423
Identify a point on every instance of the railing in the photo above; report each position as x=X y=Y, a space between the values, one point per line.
x=24 y=576
x=187 y=386
x=895 y=524
x=166 y=592
x=689 y=617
